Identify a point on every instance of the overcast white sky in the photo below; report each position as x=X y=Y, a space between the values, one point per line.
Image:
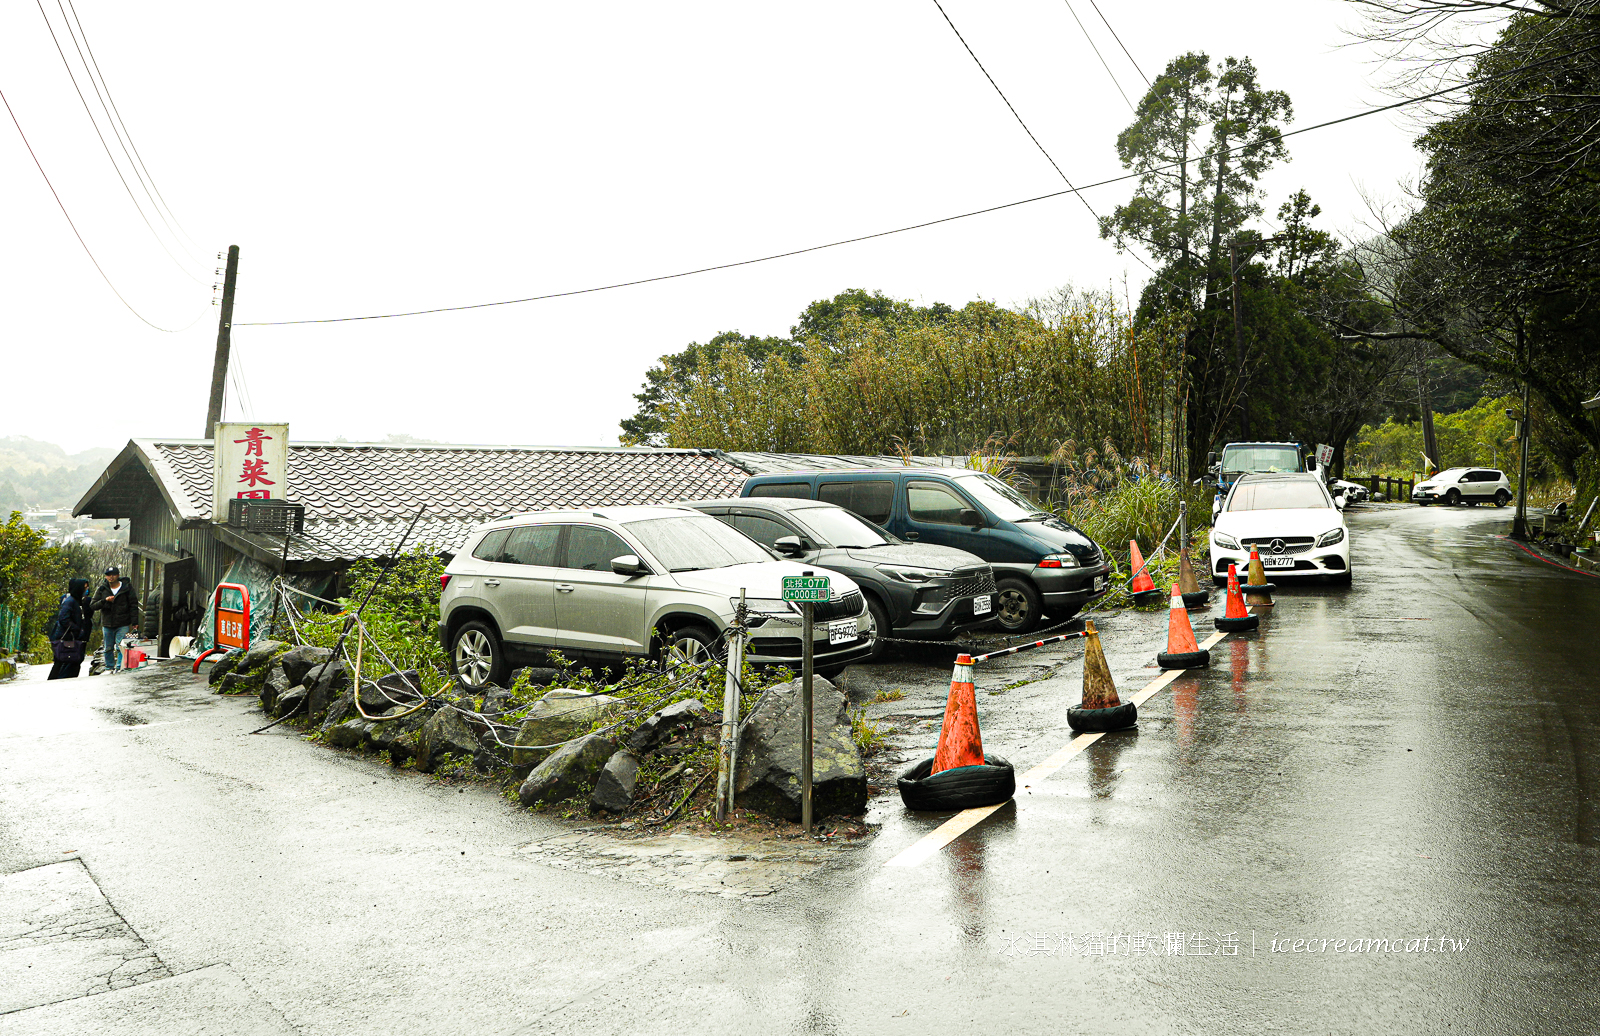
x=369 y=158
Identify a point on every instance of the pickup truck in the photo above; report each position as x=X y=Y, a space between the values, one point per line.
x=1255 y=458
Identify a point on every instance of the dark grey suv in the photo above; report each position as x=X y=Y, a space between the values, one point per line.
x=915 y=591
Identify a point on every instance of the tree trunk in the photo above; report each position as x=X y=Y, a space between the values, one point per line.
x=1430 y=443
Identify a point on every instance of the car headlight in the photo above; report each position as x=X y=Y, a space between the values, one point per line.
x=907 y=574
x=1330 y=537
x=1224 y=541
x=1058 y=561
x=760 y=609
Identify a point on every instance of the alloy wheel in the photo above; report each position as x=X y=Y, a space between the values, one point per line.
x=1013 y=608
x=474 y=658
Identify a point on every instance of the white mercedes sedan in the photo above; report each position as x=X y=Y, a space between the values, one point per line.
x=1290 y=519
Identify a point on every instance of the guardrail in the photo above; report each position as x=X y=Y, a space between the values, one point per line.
x=1385 y=484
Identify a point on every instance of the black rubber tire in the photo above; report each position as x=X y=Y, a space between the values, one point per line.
x=1184 y=659
x=1219 y=580
x=831 y=672
x=1149 y=596
x=479 y=640
x=1227 y=625
x=1095 y=721
x=707 y=640
x=1258 y=588
x=1502 y=498
x=880 y=621
x=1198 y=599
x=965 y=787
x=1452 y=498
x=1344 y=578
x=1020 y=608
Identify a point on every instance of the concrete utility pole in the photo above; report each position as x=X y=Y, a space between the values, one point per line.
x=219 y=367
x=1238 y=337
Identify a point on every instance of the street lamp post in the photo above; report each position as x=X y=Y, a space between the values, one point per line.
x=1494 y=453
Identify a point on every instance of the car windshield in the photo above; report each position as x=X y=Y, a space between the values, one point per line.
x=1451 y=474
x=837 y=527
x=688 y=544
x=1004 y=502
x=1260 y=459
x=1276 y=496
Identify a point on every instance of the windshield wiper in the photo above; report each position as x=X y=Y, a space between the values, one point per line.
x=690 y=568
x=1037 y=516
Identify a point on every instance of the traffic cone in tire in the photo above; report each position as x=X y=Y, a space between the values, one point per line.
x=960 y=744
x=1101 y=709
x=1194 y=595
x=958 y=775
x=1257 y=592
x=1182 y=651
x=1235 y=619
x=1143 y=587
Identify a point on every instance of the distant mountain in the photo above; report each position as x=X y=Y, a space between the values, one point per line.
x=38 y=475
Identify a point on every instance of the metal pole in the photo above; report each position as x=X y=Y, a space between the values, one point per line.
x=219 y=366
x=805 y=714
x=1238 y=340
x=728 y=753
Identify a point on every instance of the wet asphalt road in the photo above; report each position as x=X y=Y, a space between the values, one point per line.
x=1409 y=759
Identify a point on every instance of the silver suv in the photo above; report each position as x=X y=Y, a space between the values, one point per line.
x=620 y=582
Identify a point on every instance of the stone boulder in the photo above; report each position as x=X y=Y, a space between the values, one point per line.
x=570 y=771
x=326 y=682
x=445 y=733
x=352 y=733
x=613 y=790
x=560 y=715
x=223 y=666
x=394 y=735
x=666 y=722
x=261 y=653
x=298 y=662
x=380 y=695
x=538 y=676
x=275 y=684
x=291 y=701
x=768 y=777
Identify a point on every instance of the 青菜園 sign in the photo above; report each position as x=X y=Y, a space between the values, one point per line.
x=249 y=460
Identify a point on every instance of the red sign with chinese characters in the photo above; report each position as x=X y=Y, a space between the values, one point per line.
x=232 y=609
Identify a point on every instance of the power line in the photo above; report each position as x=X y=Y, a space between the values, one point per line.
x=147 y=178
x=1114 y=36
x=1097 y=54
x=932 y=222
x=74 y=226
x=109 y=156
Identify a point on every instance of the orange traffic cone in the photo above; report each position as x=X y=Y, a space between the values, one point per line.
x=1258 y=592
x=1182 y=651
x=959 y=741
x=1101 y=709
x=1143 y=587
x=1235 y=619
x=1194 y=595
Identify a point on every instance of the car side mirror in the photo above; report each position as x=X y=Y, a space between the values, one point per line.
x=970 y=517
x=1311 y=464
x=1338 y=501
x=629 y=565
x=789 y=546
x=1211 y=460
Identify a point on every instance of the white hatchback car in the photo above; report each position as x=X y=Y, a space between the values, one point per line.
x=1290 y=519
x=1464 y=486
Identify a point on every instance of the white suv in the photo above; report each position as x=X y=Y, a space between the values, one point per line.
x=619 y=582
x=1464 y=486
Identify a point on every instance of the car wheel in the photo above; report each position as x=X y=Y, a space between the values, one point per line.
x=1502 y=498
x=880 y=623
x=1219 y=580
x=830 y=673
x=690 y=646
x=1343 y=578
x=1020 y=606
x=1452 y=498
x=477 y=657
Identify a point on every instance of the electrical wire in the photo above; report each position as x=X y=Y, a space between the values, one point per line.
x=1097 y=54
x=129 y=136
x=1114 y=36
x=86 y=251
x=95 y=123
x=987 y=210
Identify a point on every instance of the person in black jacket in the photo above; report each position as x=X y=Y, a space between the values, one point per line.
x=118 y=606
x=69 y=633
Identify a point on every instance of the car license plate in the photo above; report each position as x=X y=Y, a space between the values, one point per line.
x=982 y=605
x=1272 y=562
x=1099 y=583
x=842 y=632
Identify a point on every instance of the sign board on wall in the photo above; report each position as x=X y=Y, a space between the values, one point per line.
x=249 y=460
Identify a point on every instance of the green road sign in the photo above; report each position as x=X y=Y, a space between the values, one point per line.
x=806 y=588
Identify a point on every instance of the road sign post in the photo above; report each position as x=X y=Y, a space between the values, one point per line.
x=805 y=590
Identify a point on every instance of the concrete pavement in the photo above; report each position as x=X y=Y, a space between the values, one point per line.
x=1406 y=767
